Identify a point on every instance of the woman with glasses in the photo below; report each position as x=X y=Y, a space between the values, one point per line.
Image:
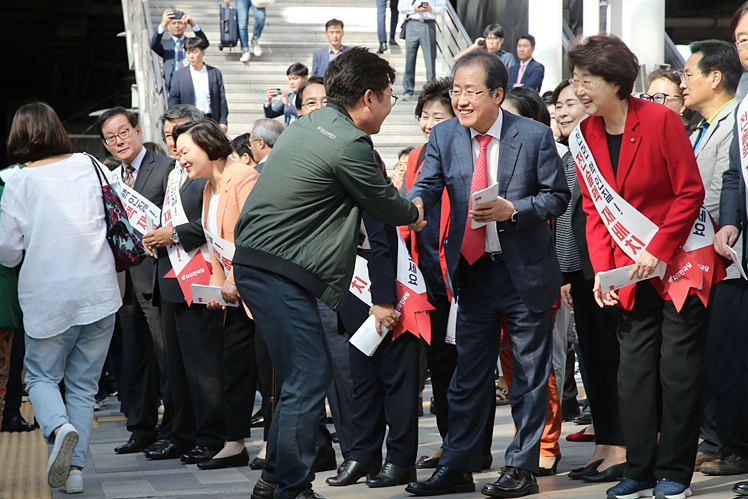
x=641 y=151
x=664 y=88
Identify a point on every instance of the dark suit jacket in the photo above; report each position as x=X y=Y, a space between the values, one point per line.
x=532 y=77
x=191 y=236
x=322 y=59
x=382 y=263
x=732 y=199
x=164 y=47
x=530 y=176
x=151 y=183
x=183 y=92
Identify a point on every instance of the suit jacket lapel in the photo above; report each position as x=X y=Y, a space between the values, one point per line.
x=724 y=113
x=223 y=197
x=629 y=144
x=464 y=152
x=508 y=152
x=146 y=166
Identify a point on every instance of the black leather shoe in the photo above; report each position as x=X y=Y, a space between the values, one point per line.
x=741 y=488
x=612 y=474
x=257 y=421
x=486 y=462
x=324 y=464
x=513 y=482
x=310 y=494
x=577 y=473
x=157 y=445
x=584 y=418
x=217 y=463
x=552 y=470
x=393 y=41
x=263 y=490
x=445 y=480
x=132 y=446
x=257 y=463
x=351 y=472
x=198 y=454
x=426 y=462
x=382 y=48
x=392 y=474
x=171 y=451
x=17 y=424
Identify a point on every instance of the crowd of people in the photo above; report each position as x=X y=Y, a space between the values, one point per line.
x=273 y=254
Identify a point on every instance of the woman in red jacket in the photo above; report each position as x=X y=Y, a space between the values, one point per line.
x=641 y=151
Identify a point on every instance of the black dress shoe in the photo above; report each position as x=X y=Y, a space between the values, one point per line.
x=171 y=451
x=263 y=490
x=310 y=494
x=17 y=424
x=612 y=474
x=132 y=446
x=445 y=480
x=426 y=462
x=257 y=421
x=393 y=41
x=157 y=445
x=257 y=463
x=577 y=473
x=198 y=454
x=324 y=464
x=217 y=463
x=584 y=418
x=382 y=48
x=392 y=474
x=513 y=482
x=741 y=488
x=486 y=462
x=351 y=472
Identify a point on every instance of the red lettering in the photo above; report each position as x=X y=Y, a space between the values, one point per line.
x=620 y=231
x=634 y=247
x=359 y=284
x=141 y=223
x=608 y=217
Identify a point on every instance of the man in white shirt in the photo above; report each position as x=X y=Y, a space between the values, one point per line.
x=200 y=85
x=172 y=49
x=420 y=30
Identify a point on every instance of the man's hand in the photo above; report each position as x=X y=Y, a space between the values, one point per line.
x=423 y=8
x=284 y=98
x=726 y=236
x=566 y=296
x=272 y=92
x=644 y=266
x=223 y=128
x=229 y=293
x=384 y=314
x=166 y=18
x=214 y=305
x=497 y=210
x=158 y=238
x=420 y=223
x=611 y=299
x=477 y=44
x=187 y=19
x=519 y=84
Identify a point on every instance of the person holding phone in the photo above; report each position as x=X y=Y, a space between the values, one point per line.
x=420 y=31
x=297 y=74
x=492 y=40
x=172 y=49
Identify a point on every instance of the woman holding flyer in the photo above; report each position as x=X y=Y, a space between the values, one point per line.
x=206 y=153
x=643 y=197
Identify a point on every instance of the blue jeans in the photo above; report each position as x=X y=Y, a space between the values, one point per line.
x=242 y=16
x=422 y=35
x=381 y=13
x=295 y=340
x=75 y=356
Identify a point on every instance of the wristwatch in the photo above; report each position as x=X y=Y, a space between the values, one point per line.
x=514 y=216
x=174 y=236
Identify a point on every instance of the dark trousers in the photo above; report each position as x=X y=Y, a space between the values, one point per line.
x=727 y=366
x=265 y=374
x=487 y=294
x=288 y=316
x=240 y=371
x=144 y=359
x=385 y=394
x=661 y=371
x=381 y=14
x=14 y=389
x=193 y=341
x=596 y=330
x=441 y=358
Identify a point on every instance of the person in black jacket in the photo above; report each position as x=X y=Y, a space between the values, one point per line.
x=171 y=49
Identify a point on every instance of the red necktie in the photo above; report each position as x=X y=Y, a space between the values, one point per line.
x=474 y=240
x=521 y=72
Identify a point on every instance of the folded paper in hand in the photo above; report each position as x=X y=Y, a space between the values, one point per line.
x=366 y=338
x=619 y=278
x=482 y=197
x=203 y=294
x=736 y=261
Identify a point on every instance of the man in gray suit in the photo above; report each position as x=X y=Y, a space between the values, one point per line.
x=323 y=56
x=506 y=267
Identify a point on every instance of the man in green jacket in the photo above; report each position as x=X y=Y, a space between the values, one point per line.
x=296 y=240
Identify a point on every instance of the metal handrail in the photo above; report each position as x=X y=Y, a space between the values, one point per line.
x=452 y=37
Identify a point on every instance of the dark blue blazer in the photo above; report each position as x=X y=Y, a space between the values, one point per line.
x=322 y=58
x=732 y=198
x=382 y=261
x=530 y=175
x=183 y=92
x=164 y=47
x=532 y=77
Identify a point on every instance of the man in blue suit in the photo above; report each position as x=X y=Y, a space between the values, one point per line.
x=529 y=72
x=323 y=56
x=507 y=268
x=172 y=49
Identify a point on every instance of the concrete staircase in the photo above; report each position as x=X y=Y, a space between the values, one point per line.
x=293 y=30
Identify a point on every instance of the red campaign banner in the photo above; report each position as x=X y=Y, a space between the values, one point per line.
x=197 y=271
x=414 y=313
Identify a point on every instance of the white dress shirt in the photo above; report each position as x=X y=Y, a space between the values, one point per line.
x=492 y=164
x=202 y=89
x=408 y=7
x=135 y=164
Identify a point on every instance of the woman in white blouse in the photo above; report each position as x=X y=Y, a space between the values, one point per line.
x=52 y=218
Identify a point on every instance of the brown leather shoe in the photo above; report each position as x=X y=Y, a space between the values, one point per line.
x=263 y=489
x=701 y=458
x=725 y=463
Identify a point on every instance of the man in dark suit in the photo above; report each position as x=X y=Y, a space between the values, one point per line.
x=171 y=49
x=507 y=268
x=529 y=72
x=142 y=342
x=200 y=85
x=323 y=56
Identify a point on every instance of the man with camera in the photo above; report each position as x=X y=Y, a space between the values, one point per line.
x=171 y=49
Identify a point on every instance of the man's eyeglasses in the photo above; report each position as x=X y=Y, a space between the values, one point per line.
x=742 y=44
x=393 y=97
x=469 y=94
x=684 y=77
x=586 y=84
x=123 y=134
x=659 y=97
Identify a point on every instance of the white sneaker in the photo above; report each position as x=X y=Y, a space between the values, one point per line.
x=245 y=56
x=256 y=47
x=58 y=468
x=74 y=483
